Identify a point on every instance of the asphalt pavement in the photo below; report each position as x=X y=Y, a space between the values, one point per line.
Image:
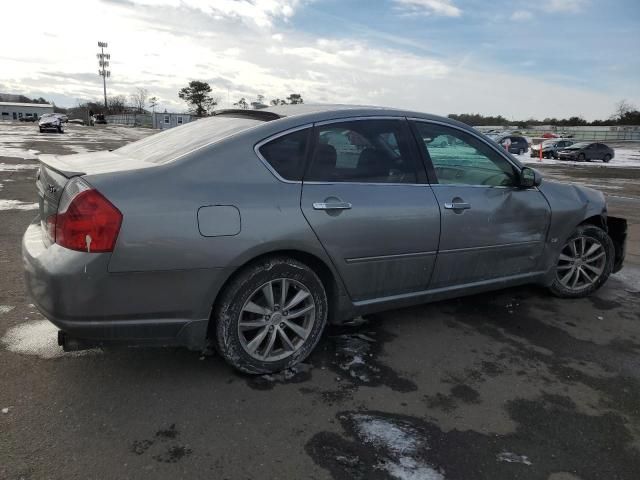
x=514 y=384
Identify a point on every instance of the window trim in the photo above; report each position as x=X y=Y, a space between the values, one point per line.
x=167 y=119
x=421 y=181
x=179 y=120
x=424 y=153
x=265 y=162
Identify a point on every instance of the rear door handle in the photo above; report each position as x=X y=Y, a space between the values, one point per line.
x=331 y=206
x=457 y=205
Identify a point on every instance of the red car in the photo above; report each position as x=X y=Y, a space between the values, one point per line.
x=549 y=135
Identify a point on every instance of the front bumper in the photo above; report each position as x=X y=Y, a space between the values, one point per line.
x=76 y=292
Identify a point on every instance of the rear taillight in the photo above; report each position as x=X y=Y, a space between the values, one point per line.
x=86 y=220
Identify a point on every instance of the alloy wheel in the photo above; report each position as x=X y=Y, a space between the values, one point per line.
x=276 y=320
x=581 y=263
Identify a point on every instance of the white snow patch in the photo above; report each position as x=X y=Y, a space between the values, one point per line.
x=6 y=308
x=11 y=167
x=39 y=338
x=513 y=458
x=17 y=205
x=5 y=410
x=623 y=157
x=18 y=153
x=401 y=443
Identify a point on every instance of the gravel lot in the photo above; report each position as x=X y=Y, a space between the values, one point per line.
x=513 y=384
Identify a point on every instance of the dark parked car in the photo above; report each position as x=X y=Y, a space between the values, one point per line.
x=586 y=151
x=98 y=119
x=51 y=121
x=28 y=118
x=252 y=229
x=516 y=144
x=550 y=148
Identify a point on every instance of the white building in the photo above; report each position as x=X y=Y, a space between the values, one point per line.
x=10 y=111
x=170 y=120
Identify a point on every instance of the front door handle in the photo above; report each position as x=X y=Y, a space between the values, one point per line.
x=331 y=206
x=457 y=205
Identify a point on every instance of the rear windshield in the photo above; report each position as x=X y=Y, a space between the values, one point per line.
x=167 y=146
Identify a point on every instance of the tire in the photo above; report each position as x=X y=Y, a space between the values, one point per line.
x=521 y=152
x=607 y=158
x=244 y=301
x=603 y=258
x=581 y=157
x=40 y=128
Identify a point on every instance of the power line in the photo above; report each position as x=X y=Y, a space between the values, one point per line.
x=103 y=63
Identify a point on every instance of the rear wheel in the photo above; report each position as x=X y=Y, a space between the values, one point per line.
x=271 y=316
x=584 y=264
x=606 y=158
x=41 y=130
x=581 y=157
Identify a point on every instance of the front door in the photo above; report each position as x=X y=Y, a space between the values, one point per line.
x=362 y=198
x=491 y=228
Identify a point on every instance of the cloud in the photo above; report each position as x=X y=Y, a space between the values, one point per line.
x=521 y=15
x=445 y=8
x=566 y=5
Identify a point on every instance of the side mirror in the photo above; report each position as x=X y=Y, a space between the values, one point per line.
x=530 y=178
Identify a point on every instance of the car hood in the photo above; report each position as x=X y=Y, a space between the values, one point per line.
x=569 y=192
x=49 y=121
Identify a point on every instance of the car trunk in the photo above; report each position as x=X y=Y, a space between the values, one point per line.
x=56 y=171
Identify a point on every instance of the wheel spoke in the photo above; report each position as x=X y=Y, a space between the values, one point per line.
x=583 y=245
x=255 y=308
x=572 y=246
x=302 y=311
x=564 y=267
x=267 y=290
x=594 y=258
x=565 y=258
x=286 y=341
x=297 y=329
x=565 y=280
x=586 y=275
x=253 y=345
x=593 y=249
x=284 y=289
x=595 y=270
x=300 y=296
x=253 y=324
x=272 y=340
x=576 y=278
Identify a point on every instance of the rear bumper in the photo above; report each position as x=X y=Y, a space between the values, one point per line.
x=75 y=291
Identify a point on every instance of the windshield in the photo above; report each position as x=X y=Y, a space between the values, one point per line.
x=167 y=146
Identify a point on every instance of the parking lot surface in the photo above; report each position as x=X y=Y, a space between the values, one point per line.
x=511 y=384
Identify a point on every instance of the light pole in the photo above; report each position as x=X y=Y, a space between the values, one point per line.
x=103 y=63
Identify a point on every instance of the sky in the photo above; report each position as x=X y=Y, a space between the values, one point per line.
x=518 y=58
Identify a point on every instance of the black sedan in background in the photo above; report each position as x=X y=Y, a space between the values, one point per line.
x=586 y=151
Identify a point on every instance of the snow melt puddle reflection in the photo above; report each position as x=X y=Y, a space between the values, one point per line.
x=401 y=443
x=39 y=338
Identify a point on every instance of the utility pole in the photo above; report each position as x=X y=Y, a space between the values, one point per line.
x=103 y=63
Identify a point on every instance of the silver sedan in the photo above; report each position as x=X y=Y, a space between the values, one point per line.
x=252 y=229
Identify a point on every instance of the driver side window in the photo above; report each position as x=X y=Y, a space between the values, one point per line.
x=460 y=159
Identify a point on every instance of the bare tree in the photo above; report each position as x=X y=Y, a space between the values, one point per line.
x=622 y=109
x=153 y=103
x=117 y=104
x=242 y=103
x=139 y=99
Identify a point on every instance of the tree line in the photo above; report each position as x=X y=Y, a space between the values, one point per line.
x=624 y=114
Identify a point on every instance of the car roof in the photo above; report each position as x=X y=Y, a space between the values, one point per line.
x=312 y=113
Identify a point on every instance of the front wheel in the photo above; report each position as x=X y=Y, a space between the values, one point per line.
x=607 y=158
x=581 y=157
x=270 y=316
x=584 y=264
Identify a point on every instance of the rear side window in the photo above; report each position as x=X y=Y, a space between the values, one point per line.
x=286 y=154
x=368 y=151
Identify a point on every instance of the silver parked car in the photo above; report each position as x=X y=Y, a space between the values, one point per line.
x=253 y=229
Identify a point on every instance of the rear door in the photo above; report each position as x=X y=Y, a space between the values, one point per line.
x=490 y=228
x=362 y=196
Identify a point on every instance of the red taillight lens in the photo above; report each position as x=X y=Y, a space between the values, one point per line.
x=89 y=223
